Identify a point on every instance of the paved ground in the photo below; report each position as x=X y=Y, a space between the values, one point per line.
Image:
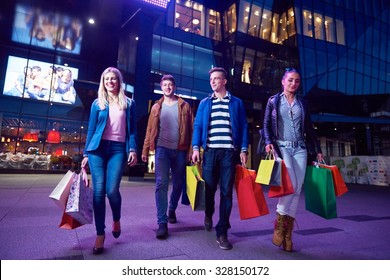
x=29 y=228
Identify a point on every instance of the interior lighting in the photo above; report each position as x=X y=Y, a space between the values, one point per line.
x=91 y=21
x=54 y=137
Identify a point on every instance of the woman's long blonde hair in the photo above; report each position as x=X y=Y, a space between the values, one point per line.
x=103 y=95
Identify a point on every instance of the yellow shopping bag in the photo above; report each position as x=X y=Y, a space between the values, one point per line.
x=196 y=188
x=264 y=171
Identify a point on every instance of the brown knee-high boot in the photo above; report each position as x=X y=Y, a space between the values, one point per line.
x=279 y=228
x=288 y=227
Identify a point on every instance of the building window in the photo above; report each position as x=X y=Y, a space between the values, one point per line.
x=307 y=23
x=323 y=27
x=231 y=20
x=275 y=28
x=318 y=27
x=290 y=22
x=330 y=30
x=193 y=17
x=265 y=28
x=340 y=32
x=188 y=16
x=254 y=22
x=214 y=27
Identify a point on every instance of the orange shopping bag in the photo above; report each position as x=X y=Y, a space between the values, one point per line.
x=250 y=197
x=340 y=187
x=285 y=188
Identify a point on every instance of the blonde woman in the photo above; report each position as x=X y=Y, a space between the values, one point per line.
x=111 y=140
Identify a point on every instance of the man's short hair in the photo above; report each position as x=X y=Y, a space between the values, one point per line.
x=168 y=78
x=218 y=69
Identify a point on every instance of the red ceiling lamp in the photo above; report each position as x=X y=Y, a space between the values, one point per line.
x=30 y=137
x=53 y=137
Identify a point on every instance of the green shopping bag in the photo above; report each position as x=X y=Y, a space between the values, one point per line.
x=320 y=197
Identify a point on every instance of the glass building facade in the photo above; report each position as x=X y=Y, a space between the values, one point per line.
x=340 y=48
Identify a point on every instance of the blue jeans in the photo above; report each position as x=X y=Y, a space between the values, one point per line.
x=106 y=164
x=295 y=159
x=174 y=160
x=219 y=168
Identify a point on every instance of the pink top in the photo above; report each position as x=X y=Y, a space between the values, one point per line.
x=116 y=124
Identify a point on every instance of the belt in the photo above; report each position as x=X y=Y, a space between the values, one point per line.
x=292 y=144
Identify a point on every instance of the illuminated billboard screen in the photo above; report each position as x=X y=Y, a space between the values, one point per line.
x=47 y=29
x=27 y=78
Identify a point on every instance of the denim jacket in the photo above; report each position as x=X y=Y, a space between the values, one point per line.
x=238 y=123
x=97 y=123
x=271 y=124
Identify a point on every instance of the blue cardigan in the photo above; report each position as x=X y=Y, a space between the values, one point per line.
x=237 y=119
x=97 y=123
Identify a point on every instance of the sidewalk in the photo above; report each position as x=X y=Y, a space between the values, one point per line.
x=29 y=228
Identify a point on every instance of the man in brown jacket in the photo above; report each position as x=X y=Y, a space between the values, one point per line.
x=169 y=134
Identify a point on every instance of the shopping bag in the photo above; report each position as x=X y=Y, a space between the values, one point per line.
x=320 y=197
x=68 y=222
x=80 y=199
x=196 y=188
x=61 y=191
x=276 y=176
x=184 y=196
x=285 y=188
x=250 y=197
x=340 y=187
x=264 y=171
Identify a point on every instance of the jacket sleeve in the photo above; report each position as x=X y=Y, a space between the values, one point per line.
x=146 y=146
x=267 y=125
x=93 y=116
x=198 y=126
x=243 y=127
x=133 y=128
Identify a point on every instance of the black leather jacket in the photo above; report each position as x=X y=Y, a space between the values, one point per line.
x=271 y=124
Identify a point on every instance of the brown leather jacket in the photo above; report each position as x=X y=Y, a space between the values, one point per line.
x=186 y=120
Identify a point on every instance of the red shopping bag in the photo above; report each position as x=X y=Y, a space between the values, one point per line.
x=68 y=222
x=340 y=187
x=285 y=188
x=250 y=197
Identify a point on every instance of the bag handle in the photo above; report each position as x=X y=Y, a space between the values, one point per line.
x=272 y=154
x=196 y=171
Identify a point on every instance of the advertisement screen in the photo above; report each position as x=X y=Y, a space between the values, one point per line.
x=47 y=29
x=27 y=78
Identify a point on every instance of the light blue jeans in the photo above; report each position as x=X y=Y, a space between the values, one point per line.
x=175 y=161
x=295 y=159
x=106 y=165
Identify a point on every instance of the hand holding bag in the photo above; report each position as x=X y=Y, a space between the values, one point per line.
x=264 y=171
x=340 y=187
x=61 y=192
x=250 y=197
x=196 y=188
x=80 y=200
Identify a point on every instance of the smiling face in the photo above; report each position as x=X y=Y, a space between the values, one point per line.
x=167 y=87
x=111 y=82
x=218 y=81
x=291 y=81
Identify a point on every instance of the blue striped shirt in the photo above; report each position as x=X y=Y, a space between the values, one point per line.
x=290 y=120
x=220 y=131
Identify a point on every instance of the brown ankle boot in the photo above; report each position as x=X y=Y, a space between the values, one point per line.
x=288 y=226
x=278 y=237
